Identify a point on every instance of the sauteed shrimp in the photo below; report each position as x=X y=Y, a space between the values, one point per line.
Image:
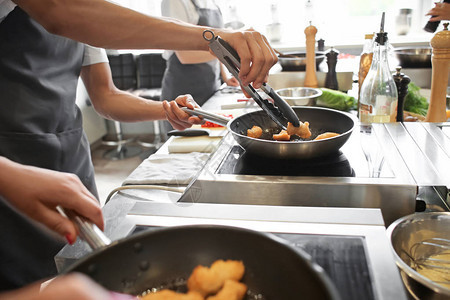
x=219 y=282
x=208 y=281
x=282 y=136
x=326 y=135
x=254 y=132
x=232 y=290
x=302 y=131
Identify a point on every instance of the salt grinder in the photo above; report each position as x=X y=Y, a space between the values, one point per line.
x=401 y=81
x=310 y=76
x=331 y=78
x=321 y=45
x=440 y=61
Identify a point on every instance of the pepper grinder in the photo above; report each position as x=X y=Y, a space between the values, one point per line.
x=321 y=45
x=401 y=81
x=331 y=78
x=440 y=62
x=310 y=76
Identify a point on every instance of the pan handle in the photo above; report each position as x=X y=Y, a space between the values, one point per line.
x=89 y=232
x=215 y=118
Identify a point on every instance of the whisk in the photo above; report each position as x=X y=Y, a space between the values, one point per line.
x=431 y=258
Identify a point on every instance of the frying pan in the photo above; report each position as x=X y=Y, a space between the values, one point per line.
x=320 y=120
x=165 y=258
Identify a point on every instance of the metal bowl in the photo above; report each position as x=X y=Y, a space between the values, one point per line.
x=300 y=96
x=409 y=230
x=418 y=57
x=296 y=61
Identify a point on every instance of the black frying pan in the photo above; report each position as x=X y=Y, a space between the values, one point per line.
x=320 y=120
x=166 y=257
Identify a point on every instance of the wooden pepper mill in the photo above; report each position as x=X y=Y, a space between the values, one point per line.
x=440 y=61
x=331 y=78
x=401 y=81
x=310 y=76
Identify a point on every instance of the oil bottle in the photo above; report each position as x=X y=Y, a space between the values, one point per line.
x=378 y=96
x=366 y=60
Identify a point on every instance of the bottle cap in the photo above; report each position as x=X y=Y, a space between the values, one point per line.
x=381 y=36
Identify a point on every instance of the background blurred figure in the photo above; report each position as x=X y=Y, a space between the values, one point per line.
x=197 y=73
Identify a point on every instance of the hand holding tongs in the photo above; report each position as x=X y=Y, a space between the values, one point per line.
x=281 y=112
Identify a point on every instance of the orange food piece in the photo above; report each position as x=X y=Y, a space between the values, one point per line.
x=326 y=135
x=254 y=132
x=232 y=290
x=448 y=114
x=207 y=281
x=172 y=295
x=282 y=136
x=302 y=131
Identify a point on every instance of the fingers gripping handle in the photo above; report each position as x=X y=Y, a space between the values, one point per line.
x=89 y=232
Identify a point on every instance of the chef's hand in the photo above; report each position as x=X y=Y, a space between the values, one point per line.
x=257 y=56
x=179 y=119
x=441 y=12
x=74 y=286
x=78 y=286
x=36 y=192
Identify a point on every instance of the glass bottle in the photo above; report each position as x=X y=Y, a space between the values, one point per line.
x=378 y=97
x=366 y=60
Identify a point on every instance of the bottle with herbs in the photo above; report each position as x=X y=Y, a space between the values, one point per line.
x=378 y=95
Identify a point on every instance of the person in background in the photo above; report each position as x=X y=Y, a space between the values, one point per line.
x=43 y=51
x=440 y=12
x=197 y=73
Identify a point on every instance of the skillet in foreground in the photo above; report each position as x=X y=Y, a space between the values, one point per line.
x=162 y=257
x=320 y=119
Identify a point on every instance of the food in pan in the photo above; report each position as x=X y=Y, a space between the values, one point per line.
x=282 y=136
x=218 y=282
x=254 y=132
x=232 y=290
x=326 y=135
x=172 y=295
x=208 y=281
x=301 y=131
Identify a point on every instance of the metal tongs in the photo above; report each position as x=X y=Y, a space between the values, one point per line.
x=279 y=111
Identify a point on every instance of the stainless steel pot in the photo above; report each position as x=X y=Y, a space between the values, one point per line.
x=417 y=57
x=296 y=61
x=298 y=96
x=406 y=232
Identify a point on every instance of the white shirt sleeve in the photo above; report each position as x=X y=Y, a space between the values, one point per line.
x=183 y=10
x=6 y=6
x=94 y=55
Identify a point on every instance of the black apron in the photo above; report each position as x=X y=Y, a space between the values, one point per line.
x=40 y=125
x=199 y=80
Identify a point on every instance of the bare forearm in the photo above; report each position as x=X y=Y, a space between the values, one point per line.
x=125 y=107
x=103 y=24
x=7 y=168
